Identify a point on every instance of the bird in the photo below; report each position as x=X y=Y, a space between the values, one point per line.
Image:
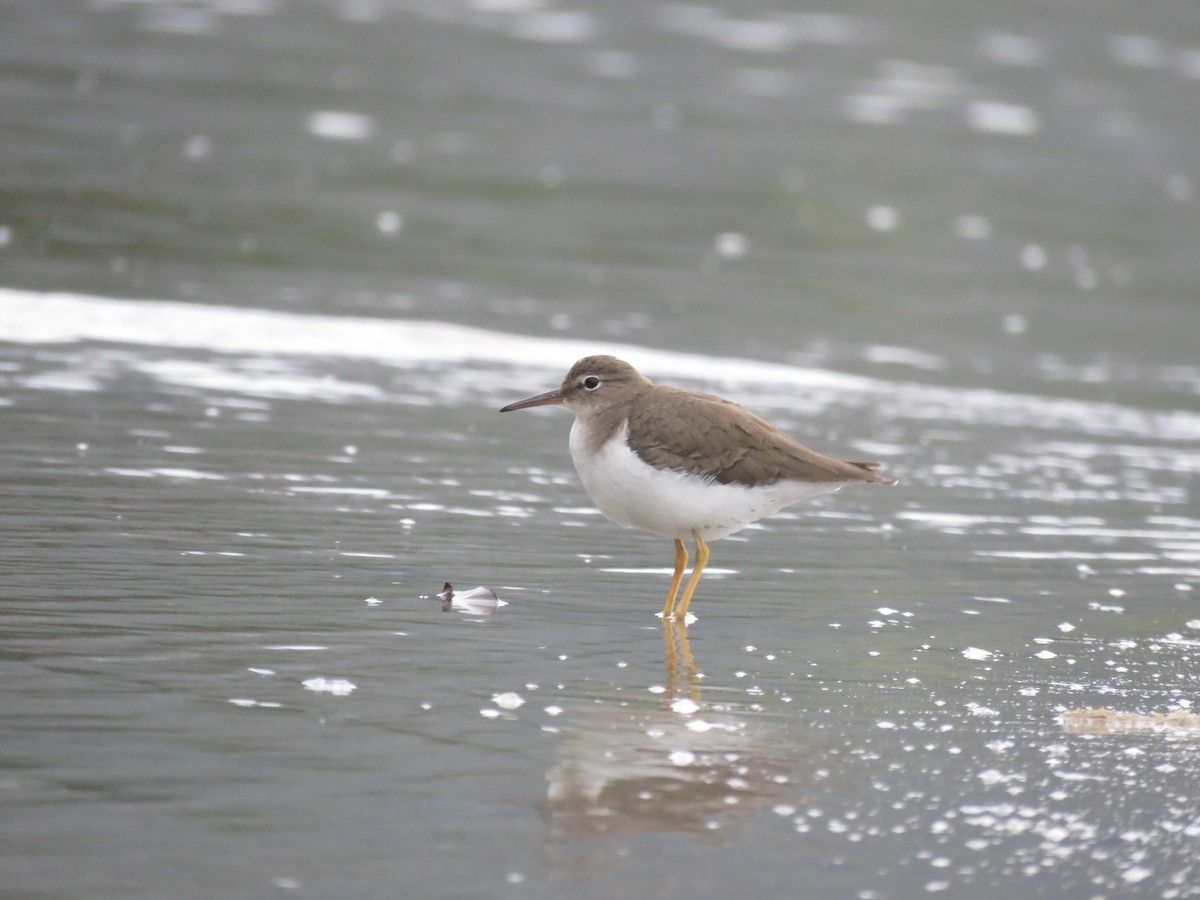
x=683 y=464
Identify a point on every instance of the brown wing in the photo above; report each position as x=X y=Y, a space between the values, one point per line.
x=708 y=436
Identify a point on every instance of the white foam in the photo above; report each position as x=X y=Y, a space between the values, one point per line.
x=340 y=125
x=339 y=687
x=61 y=318
x=996 y=117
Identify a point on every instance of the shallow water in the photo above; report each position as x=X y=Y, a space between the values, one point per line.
x=271 y=269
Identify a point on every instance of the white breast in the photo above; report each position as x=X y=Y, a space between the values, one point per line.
x=674 y=504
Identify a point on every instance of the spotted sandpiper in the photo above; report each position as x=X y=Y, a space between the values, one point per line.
x=683 y=464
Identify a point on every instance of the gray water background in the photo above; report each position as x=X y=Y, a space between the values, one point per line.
x=960 y=238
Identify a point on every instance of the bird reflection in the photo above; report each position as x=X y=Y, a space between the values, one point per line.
x=682 y=677
x=676 y=766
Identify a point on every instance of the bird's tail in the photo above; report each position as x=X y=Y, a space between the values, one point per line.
x=875 y=469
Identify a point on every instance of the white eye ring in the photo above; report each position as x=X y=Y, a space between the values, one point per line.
x=590 y=383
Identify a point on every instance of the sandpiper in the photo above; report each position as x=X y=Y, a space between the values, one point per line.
x=683 y=464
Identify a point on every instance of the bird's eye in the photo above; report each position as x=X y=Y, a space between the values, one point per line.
x=591 y=383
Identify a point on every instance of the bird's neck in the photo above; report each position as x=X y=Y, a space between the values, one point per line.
x=594 y=428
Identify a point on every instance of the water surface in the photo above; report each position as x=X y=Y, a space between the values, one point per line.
x=270 y=269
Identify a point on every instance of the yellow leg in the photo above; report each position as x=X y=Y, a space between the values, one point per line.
x=680 y=564
x=681 y=608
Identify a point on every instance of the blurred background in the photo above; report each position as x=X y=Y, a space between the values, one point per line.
x=745 y=179
x=267 y=270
